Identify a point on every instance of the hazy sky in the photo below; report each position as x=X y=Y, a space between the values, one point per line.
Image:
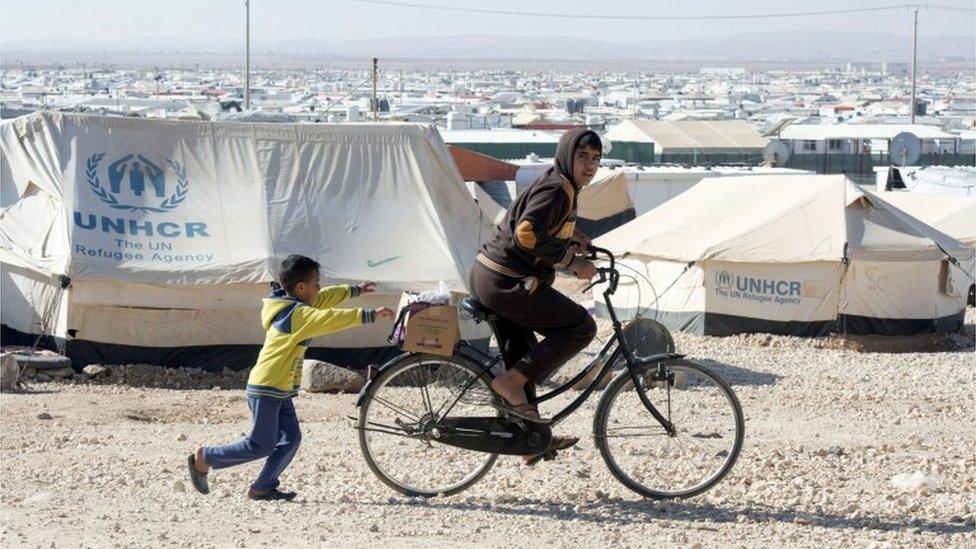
x=53 y=20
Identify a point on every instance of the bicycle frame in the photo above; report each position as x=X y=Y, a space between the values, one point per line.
x=488 y=362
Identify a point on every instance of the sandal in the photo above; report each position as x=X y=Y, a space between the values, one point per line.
x=197 y=479
x=556 y=444
x=525 y=411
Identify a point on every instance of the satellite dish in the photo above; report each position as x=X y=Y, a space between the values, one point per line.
x=776 y=153
x=904 y=149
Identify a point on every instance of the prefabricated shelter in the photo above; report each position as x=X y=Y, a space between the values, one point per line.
x=799 y=255
x=854 y=139
x=686 y=141
x=170 y=231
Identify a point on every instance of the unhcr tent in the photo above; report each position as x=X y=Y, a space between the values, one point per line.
x=170 y=231
x=952 y=216
x=799 y=255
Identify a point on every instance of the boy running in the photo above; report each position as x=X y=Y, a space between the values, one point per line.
x=292 y=315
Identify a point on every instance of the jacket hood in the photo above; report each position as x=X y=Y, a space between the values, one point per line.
x=563 y=164
x=274 y=305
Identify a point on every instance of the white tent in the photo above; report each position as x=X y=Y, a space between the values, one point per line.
x=801 y=255
x=170 y=231
x=954 y=216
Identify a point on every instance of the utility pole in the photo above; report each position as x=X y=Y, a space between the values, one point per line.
x=914 y=62
x=375 y=103
x=247 y=54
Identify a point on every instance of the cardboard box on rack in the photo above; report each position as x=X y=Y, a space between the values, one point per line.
x=433 y=330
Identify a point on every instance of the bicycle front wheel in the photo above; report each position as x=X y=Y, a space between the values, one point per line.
x=705 y=414
x=397 y=424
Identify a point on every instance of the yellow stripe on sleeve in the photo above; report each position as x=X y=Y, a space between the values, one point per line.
x=525 y=234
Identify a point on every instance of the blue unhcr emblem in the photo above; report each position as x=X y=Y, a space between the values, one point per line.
x=724 y=280
x=140 y=171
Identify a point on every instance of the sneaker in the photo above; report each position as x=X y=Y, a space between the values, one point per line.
x=271 y=495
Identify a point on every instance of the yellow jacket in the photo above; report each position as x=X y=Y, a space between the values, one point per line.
x=291 y=325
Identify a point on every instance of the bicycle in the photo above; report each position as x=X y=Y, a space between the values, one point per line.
x=427 y=426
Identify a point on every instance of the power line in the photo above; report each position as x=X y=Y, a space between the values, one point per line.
x=595 y=16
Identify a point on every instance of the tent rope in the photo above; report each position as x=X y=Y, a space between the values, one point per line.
x=47 y=320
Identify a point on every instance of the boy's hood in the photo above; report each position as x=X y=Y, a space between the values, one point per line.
x=274 y=305
x=563 y=162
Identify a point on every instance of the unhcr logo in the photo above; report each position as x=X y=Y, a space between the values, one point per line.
x=723 y=279
x=130 y=177
x=138 y=184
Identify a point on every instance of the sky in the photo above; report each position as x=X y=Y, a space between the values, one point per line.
x=53 y=21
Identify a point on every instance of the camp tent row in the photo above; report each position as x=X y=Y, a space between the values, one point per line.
x=170 y=231
x=800 y=255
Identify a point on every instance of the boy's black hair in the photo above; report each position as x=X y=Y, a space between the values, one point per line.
x=294 y=269
x=592 y=140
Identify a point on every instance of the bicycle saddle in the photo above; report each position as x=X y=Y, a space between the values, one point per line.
x=477 y=310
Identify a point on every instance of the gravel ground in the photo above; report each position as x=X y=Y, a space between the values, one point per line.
x=102 y=464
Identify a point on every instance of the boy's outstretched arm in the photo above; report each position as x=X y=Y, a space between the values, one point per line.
x=331 y=296
x=316 y=322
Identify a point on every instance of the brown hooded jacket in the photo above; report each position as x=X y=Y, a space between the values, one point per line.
x=534 y=236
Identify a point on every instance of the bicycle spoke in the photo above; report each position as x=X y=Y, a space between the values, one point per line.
x=394 y=407
x=423 y=388
x=678 y=442
x=679 y=465
x=414 y=464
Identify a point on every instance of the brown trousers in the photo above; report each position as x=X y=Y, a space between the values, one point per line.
x=565 y=326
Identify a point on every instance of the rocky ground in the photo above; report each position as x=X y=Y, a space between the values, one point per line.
x=101 y=462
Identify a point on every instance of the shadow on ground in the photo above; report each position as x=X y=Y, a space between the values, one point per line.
x=622 y=511
x=737 y=375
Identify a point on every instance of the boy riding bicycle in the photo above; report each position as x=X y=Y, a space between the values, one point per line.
x=515 y=270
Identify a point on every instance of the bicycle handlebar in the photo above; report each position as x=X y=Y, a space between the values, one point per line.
x=605 y=273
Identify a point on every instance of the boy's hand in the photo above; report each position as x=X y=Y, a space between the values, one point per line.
x=367 y=287
x=582 y=269
x=580 y=242
x=383 y=312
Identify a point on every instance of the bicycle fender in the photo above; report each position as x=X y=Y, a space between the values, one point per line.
x=377 y=373
x=660 y=358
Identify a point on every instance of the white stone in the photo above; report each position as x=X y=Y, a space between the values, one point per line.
x=322 y=377
x=93 y=370
x=9 y=372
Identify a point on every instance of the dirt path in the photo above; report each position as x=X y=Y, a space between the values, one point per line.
x=108 y=468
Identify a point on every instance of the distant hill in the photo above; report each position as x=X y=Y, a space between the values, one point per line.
x=754 y=47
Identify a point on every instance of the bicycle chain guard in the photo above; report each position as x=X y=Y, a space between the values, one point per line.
x=493 y=435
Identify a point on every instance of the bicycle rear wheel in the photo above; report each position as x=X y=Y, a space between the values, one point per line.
x=638 y=451
x=396 y=424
